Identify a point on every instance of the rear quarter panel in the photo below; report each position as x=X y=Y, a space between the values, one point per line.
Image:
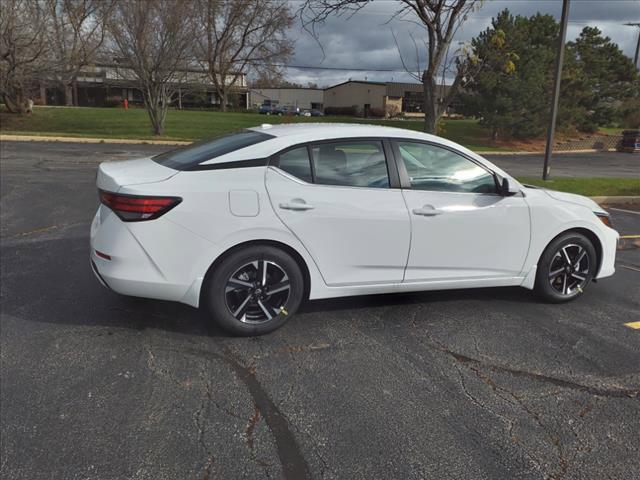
x=210 y=227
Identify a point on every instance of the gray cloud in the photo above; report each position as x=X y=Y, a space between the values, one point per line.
x=365 y=40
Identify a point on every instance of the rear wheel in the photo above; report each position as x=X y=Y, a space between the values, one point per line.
x=566 y=267
x=255 y=290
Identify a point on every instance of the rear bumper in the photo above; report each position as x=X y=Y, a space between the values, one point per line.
x=131 y=269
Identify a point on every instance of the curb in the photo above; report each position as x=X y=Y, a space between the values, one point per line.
x=631 y=242
x=38 y=138
x=617 y=200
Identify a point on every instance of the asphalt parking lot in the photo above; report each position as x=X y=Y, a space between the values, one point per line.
x=477 y=384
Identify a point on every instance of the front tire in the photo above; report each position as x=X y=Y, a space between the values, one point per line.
x=255 y=290
x=566 y=268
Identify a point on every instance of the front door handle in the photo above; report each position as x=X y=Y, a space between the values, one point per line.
x=427 y=211
x=296 y=205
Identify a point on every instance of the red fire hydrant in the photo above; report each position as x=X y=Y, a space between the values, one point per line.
x=126 y=104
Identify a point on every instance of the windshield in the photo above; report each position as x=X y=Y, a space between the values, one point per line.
x=196 y=153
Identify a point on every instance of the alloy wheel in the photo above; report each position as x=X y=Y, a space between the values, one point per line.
x=257 y=292
x=569 y=269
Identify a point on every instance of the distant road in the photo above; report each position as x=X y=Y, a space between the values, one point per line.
x=602 y=164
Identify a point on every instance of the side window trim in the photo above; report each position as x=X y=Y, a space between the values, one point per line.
x=387 y=150
x=405 y=181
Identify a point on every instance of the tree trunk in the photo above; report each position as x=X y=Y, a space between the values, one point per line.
x=74 y=86
x=15 y=103
x=223 y=100
x=430 y=104
x=155 y=111
x=68 y=95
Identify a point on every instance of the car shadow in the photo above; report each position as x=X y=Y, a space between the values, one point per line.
x=51 y=282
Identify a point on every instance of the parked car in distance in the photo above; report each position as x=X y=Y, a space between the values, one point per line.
x=250 y=224
x=316 y=113
x=290 y=110
x=305 y=113
x=270 y=110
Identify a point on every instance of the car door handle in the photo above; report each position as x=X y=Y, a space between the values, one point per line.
x=296 y=206
x=427 y=211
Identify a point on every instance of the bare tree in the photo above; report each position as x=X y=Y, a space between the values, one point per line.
x=236 y=35
x=152 y=40
x=75 y=29
x=23 y=48
x=438 y=19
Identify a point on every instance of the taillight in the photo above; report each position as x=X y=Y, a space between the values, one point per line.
x=135 y=208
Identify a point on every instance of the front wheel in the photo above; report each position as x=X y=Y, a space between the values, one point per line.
x=255 y=290
x=565 y=268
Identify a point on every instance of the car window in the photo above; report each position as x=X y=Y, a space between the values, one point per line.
x=296 y=163
x=435 y=168
x=351 y=163
x=196 y=153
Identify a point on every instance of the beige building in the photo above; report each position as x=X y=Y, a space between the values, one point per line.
x=390 y=97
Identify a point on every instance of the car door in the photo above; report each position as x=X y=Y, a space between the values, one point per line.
x=462 y=228
x=338 y=198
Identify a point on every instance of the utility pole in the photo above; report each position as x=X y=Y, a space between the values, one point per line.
x=556 y=89
x=635 y=58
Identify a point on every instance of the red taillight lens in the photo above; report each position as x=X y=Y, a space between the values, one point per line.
x=134 y=208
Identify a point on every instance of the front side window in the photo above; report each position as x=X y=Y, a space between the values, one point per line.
x=351 y=163
x=296 y=162
x=196 y=153
x=435 y=168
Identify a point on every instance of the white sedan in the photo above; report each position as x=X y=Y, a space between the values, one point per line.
x=250 y=224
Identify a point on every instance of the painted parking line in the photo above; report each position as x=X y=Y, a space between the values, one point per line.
x=624 y=211
x=629 y=242
x=634 y=325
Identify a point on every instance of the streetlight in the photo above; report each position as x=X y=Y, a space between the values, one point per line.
x=556 y=89
x=635 y=58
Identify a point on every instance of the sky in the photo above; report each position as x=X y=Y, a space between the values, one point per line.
x=365 y=40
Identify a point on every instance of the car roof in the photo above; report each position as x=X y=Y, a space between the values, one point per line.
x=321 y=131
x=290 y=134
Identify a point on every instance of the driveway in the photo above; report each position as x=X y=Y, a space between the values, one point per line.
x=482 y=384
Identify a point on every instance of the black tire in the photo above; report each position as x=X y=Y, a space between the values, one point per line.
x=560 y=280
x=227 y=289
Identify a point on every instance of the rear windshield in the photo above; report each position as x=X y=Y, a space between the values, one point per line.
x=196 y=153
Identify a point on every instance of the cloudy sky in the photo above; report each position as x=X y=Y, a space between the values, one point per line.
x=365 y=41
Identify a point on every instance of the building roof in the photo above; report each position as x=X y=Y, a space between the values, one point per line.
x=396 y=89
x=355 y=81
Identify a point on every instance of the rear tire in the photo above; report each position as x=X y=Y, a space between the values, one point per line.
x=254 y=290
x=566 y=268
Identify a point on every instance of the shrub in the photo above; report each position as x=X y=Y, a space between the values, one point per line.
x=392 y=111
x=114 y=101
x=376 y=112
x=351 y=111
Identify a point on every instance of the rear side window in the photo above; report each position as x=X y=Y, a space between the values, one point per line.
x=296 y=162
x=194 y=154
x=351 y=163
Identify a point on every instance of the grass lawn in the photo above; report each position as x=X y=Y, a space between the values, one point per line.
x=595 y=186
x=195 y=125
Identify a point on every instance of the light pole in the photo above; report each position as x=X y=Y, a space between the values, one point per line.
x=635 y=58
x=556 y=89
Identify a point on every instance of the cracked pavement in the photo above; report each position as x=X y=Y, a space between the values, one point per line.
x=482 y=384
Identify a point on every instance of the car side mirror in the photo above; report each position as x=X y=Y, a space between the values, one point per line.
x=506 y=188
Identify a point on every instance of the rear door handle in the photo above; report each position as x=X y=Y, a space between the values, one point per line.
x=427 y=211
x=296 y=206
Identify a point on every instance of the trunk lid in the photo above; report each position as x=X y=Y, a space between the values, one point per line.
x=114 y=175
